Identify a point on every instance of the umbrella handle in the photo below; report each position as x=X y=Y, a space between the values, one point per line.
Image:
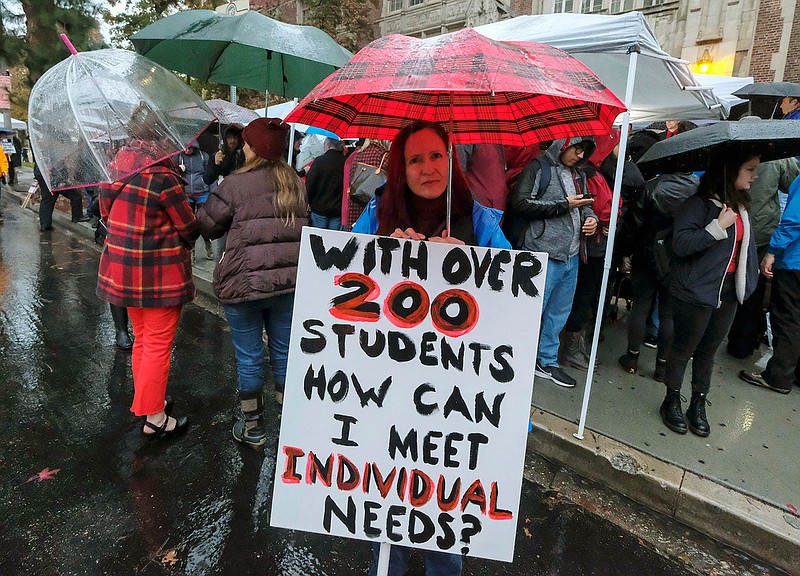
x=69 y=44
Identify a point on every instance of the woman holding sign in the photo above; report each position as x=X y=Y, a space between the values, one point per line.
x=413 y=205
x=262 y=207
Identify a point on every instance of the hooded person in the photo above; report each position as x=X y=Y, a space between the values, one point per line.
x=193 y=163
x=228 y=158
x=262 y=208
x=146 y=267
x=553 y=204
x=590 y=267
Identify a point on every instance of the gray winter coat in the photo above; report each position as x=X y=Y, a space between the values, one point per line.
x=261 y=251
x=551 y=226
x=765 y=208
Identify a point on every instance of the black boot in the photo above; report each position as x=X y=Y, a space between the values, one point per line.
x=696 y=415
x=629 y=361
x=250 y=429
x=672 y=412
x=123 y=338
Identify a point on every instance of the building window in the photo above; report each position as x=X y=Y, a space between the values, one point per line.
x=648 y=3
x=395 y=5
x=618 y=6
x=562 y=6
x=589 y=6
x=414 y=3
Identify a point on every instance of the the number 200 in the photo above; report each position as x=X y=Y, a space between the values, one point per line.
x=453 y=312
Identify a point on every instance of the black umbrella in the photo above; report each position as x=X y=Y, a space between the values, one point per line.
x=767 y=93
x=768 y=90
x=700 y=148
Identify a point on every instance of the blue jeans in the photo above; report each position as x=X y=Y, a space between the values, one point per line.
x=436 y=563
x=327 y=222
x=559 y=290
x=246 y=321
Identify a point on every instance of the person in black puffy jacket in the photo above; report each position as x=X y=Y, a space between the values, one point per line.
x=714 y=265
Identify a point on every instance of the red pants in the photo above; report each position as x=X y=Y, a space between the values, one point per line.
x=154 y=331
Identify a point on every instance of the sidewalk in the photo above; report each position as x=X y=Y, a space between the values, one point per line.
x=738 y=485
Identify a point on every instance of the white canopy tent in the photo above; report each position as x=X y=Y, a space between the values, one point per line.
x=17 y=124
x=724 y=87
x=664 y=87
x=624 y=53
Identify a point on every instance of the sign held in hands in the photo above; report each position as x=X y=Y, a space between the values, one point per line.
x=408 y=392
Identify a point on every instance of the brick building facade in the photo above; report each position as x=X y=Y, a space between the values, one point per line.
x=777 y=19
x=731 y=37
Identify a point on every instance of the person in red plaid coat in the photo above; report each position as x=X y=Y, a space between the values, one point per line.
x=146 y=267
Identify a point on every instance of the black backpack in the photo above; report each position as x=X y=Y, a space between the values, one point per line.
x=513 y=225
x=662 y=253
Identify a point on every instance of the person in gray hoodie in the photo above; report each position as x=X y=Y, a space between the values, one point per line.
x=555 y=216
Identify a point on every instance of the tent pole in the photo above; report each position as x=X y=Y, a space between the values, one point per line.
x=266 y=99
x=291 y=138
x=633 y=53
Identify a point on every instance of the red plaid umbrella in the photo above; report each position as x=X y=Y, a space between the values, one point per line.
x=494 y=92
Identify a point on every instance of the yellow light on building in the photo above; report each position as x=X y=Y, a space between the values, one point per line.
x=703 y=64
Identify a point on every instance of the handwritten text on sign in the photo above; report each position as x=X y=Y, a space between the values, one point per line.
x=408 y=392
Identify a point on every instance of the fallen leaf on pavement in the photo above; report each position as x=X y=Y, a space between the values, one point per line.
x=171 y=557
x=46 y=474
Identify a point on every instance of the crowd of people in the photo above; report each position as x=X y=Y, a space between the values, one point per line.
x=689 y=246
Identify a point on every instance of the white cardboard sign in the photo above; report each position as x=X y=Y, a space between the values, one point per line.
x=408 y=392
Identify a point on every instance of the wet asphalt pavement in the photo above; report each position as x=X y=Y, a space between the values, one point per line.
x=84 y=493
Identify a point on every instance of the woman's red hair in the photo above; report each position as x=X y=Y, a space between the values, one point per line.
x=393 y=208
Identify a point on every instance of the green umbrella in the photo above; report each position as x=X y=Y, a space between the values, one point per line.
x=248 y=51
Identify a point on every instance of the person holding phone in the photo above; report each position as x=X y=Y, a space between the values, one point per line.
x=555 y=217
x=592 y=254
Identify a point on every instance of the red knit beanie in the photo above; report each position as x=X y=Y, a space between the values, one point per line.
x=267 y=137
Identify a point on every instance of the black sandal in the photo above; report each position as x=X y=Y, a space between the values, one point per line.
x=161 y=432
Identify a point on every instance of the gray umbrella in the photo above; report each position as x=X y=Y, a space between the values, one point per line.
x=699 y=148
x=768 y=90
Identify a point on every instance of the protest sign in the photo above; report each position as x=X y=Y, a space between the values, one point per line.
x=408 y=392
x=8 y=146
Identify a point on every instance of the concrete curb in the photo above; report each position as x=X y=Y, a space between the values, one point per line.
x=759 y=529
x=745 y=523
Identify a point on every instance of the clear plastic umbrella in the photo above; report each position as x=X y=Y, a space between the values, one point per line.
x=85 y=108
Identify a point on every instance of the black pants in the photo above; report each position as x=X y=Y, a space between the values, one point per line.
x=645 y=288
x=587 y=293
x=49 y=202
x=699 y=330
x=750 y=322
x=782 y=369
